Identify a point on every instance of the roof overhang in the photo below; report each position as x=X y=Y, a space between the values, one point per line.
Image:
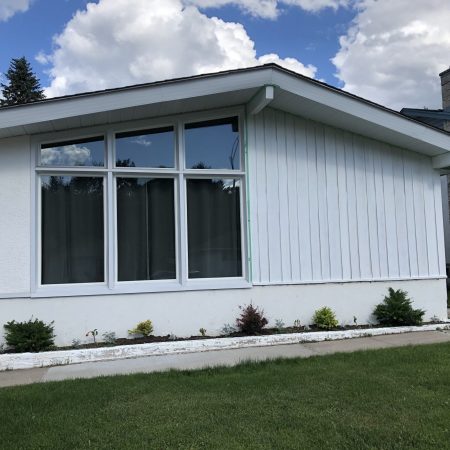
x=292 y=93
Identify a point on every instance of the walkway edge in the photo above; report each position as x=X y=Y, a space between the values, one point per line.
x=15 y=361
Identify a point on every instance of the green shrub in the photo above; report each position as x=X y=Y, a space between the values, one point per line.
x=31 y=336
x=396 y=310
x=325 y=318
x=252 y=320
x=144 y=328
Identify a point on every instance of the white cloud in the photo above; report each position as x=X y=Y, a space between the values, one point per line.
x=119 y=42
x=68 y=155
x=10 y=7
x=394 y=50
x=269 y=9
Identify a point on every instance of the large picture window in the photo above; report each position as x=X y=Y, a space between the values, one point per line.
x=145 y=229
x=214 y=228
x=153 y=207
x=72 y=229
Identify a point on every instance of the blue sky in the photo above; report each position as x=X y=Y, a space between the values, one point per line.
x=389 y=52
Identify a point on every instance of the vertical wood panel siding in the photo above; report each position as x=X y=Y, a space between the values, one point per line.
x=328 y=205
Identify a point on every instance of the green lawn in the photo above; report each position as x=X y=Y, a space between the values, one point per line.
x=384 y=399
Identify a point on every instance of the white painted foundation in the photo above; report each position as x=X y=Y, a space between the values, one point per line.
x=184 y=313
x=57 y=358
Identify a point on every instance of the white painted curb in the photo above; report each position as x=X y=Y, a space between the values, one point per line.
x=14 y=361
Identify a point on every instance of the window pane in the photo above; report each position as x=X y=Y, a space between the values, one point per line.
x=72 y=230
x=83 y=152
x=149 y=148
x=146 y=229
x=213 y=144
x=214 y=228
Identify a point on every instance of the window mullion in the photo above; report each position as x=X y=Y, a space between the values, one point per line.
x=182 y=217
x=110 y=212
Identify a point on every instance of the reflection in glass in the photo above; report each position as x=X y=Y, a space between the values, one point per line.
x=214 y=228
x=146 y=229
x=83 y=152
x=72 y=229
x=213 y=144
x=148 y=148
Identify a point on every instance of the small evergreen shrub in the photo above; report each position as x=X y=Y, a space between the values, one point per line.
x=252 y=320
x=397 y=310
x=325 y=318
x=31 y=336
x=144 y=328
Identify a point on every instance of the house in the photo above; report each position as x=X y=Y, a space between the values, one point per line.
x=180 y=200
x=439 y=118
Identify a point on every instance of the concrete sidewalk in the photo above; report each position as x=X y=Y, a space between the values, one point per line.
x=216 y=358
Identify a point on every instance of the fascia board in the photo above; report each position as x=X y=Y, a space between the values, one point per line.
x=140 y=96
x=360 y=110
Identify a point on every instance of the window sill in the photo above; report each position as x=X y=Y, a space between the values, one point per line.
x=140 y=287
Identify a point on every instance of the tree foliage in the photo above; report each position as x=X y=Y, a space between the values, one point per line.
x=23 y=85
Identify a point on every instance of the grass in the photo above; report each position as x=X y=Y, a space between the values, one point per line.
x=383 y=399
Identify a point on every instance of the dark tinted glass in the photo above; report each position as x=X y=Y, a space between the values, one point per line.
x=83 y=152
x=149 y=148
x=213 y=144
x=214 y=228
x=146 y=229
x=72 y=230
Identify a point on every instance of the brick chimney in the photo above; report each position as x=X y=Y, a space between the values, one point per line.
x=445 y=88
x=445 y=84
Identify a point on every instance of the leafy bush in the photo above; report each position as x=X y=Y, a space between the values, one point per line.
x=325 y=318
x=93 y=333
x=252 y=320
x=144 y=328
x=109 y=337
x=396 y=310
x=227 y=329
x=31 y=336
x=279 y=325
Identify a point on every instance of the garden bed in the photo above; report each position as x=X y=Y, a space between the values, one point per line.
x=166 y=346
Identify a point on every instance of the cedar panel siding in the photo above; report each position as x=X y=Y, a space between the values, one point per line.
x=330 y=205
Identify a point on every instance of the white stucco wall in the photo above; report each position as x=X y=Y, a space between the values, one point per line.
x=15 y=204
x=184 y=313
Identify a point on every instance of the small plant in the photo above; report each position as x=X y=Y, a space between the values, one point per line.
x=397 y=310
x=93 y=333
x=228 y=329
x=202 y=331
x=109 y=337
x=76 y=343
x=279 y=325
x=144 y=328
x=252 y=320
x=325 y=318
x=355 y=321
x=297 y=323
x=31 y=336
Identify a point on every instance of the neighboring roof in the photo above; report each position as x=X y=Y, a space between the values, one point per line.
x=434 y=117
x=294 y=93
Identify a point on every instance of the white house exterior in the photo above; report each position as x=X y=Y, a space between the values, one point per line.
x=179 y=201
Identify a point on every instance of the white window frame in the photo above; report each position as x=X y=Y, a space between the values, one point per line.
x=109 y=172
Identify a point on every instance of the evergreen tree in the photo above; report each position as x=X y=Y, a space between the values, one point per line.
x=23 y=86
